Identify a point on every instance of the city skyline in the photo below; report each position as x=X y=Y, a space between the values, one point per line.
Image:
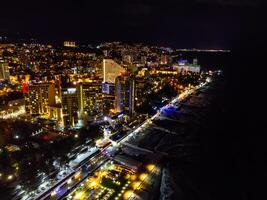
x=131 y=99
x=70 y=110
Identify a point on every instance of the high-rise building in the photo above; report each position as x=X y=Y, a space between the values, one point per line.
x=108 y=91
x=132 y=96
x=91 y=99
x=4 y=71
x=140 y=87
x=56 y=109
x=111 y=70
x=69 y=44
x=39 y=98
x=71 y=104
x=125 y=94
x=163 y=59
x=184 y=66
x=105 y=52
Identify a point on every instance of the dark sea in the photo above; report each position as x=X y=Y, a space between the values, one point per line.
x=226 y=158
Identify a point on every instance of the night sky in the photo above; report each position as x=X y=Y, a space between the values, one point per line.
x=180 y=23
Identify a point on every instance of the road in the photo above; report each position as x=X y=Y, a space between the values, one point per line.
x=11 y=113
x=63 y=187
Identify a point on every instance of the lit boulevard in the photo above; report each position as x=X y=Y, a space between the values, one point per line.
x=80 y=183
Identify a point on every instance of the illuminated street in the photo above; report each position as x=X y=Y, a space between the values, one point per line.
x=84 y=187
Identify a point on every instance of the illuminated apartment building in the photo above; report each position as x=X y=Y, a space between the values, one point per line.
x=71 y=105
x=69 y=44
x=163 y=59
x=39 y=97
x=125 y=94
x=108 y=91
x=4 y=71
x=111 y=70
x=140 y=87
x=91 y=102
x=185 y=66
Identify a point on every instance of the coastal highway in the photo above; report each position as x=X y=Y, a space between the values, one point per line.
x=93 y=162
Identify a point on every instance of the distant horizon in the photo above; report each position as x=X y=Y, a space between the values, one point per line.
x=95 y=44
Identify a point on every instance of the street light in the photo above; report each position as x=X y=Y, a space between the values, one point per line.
x=10 y=177
x=143 y=176
x=69 y=181
x=150 y=167
x=54 y=193
x=128 y=194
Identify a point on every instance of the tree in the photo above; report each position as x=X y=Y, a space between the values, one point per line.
x=91 y=131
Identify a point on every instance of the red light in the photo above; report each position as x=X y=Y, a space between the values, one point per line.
x=45 y=137
x=24 y=87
